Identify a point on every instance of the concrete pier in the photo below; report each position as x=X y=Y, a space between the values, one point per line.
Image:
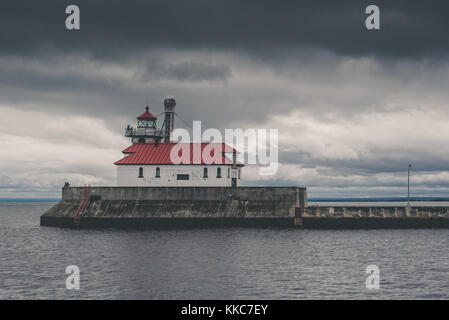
x=376 y=212
x=199 y=207
x=159 y=207
x=380 y=217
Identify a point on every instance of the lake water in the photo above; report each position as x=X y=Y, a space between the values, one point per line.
x=216 y=263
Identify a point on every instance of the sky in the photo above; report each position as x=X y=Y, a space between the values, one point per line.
x=353 y=106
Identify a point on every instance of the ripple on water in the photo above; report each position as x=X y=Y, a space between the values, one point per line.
x=216 y=263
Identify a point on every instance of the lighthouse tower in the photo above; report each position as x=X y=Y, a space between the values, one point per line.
x=146 y=129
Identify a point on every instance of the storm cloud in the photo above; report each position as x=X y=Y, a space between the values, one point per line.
x=115 y=28
x=353 y=107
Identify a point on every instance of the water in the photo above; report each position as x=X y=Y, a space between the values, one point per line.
x=216 y=263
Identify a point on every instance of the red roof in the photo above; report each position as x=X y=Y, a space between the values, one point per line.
x=151 y=153
x=146 y=115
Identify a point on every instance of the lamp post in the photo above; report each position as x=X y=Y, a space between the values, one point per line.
x=408 y=186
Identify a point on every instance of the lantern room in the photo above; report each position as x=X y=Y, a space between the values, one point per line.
x=145 y=132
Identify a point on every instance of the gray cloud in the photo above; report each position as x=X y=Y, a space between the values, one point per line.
x=111 y=29
x=156 y=69
x=353 y=107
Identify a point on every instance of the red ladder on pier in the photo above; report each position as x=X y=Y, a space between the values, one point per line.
x=82 y=206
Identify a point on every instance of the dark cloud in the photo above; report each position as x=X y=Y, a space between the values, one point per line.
x=157 y=69
x=261 y=28
x=353 y=106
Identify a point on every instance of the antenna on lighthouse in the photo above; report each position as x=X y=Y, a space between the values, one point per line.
x=169 y=105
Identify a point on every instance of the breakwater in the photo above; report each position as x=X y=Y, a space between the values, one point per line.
x=191 y=207
x=159 y=207
x=375 y=217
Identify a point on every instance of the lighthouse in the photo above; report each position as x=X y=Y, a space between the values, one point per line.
x=148 y=161
x=145 y=132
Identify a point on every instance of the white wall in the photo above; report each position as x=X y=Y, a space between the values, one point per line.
x=127 y=175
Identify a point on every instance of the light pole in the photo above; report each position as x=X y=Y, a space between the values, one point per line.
x=408 y=186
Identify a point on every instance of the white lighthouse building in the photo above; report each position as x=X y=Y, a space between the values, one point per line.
x=153 y=160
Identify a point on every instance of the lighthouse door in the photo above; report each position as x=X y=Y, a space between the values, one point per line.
x=234 y=182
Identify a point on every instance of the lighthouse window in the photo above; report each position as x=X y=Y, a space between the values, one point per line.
x=239 y=173
x=229 y=173
x=140 y=172
x=182 y=177
x=158 y=172
x=205 y=173
x=218 y=172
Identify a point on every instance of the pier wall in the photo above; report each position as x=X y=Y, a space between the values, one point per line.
x=136 y=205
x=186 y=207
x=376 y=212
x=289 y=195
